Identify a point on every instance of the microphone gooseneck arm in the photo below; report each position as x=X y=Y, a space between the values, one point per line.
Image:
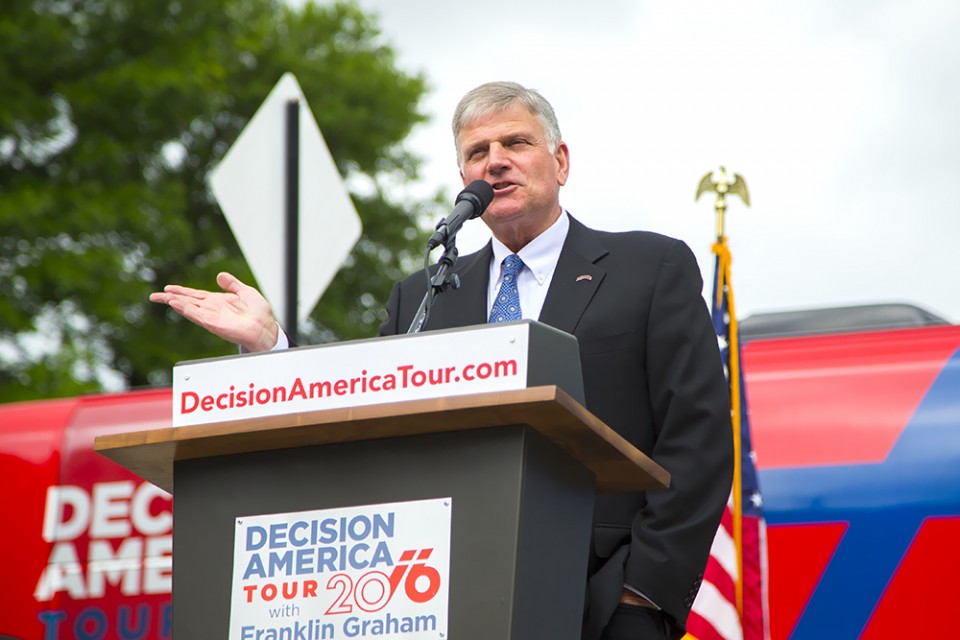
x=471 y=203
x=437 y=284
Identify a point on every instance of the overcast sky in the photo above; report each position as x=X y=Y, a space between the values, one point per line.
x=843 y=117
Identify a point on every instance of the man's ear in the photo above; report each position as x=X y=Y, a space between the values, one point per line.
x=562 y=156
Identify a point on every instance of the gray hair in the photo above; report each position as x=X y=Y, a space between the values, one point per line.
x=497 y=96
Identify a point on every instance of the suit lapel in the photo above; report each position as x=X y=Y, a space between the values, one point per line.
x=468 y=304
x=575 y=280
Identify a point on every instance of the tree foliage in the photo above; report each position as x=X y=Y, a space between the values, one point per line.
x=113 y=114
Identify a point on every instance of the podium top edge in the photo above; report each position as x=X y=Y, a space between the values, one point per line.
x=616 y=464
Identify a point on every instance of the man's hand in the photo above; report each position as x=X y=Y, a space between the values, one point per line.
x=629 y=597
x=241 y=315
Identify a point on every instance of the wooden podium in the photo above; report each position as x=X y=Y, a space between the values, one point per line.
x=520 y=467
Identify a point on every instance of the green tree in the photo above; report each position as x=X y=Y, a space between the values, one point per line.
x=113 y=114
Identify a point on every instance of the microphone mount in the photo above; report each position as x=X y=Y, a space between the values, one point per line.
x=471 y=203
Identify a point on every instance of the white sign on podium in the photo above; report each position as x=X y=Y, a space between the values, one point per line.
x=364 y=372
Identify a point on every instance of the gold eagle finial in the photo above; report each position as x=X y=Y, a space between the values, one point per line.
x=718 y=182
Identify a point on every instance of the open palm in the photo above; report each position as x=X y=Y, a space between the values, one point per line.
x=240 y=314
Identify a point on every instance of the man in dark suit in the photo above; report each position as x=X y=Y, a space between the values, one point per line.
x=650 y=360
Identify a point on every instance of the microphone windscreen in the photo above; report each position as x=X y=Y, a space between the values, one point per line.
x=480 y=193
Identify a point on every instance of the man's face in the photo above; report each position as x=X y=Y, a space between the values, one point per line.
x=509 y=150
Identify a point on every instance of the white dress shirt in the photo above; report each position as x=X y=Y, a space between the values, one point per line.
x=540 y=258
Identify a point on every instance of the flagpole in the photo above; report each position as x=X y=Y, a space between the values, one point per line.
x=719 y=183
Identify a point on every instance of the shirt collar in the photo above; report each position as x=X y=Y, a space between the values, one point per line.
x=540 y=255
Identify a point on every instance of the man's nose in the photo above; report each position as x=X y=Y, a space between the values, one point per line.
x=497 y=158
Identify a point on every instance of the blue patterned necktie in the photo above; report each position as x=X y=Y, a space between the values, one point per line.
x=506 y=306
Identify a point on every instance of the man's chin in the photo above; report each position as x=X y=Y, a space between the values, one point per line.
x=503 y=211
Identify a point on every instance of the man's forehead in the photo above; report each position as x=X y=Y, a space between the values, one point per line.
x=513 y=118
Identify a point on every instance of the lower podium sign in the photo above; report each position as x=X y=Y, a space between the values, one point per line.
x=355 y=572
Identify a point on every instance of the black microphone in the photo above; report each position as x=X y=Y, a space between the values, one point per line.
x=471 y=203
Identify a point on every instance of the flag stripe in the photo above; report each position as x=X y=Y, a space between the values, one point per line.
x=754 y=628
x=718 y=612
x=705 y=631
x=724 y=551
x=724 y=582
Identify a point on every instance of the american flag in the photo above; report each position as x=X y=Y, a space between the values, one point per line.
x=732 y=603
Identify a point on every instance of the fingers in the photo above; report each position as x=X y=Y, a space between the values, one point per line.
x=188 y=302
x=166 y=296
x=183 y=305
x=174 y=291
x=179 y=293
x=229 y=282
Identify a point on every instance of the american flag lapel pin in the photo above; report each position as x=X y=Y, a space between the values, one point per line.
x=585 y=276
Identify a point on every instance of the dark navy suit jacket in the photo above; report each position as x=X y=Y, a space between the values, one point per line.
x=652 y=371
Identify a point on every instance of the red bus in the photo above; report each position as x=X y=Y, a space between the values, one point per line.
x=857 y=437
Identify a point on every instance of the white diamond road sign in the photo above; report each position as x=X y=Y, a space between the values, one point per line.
x=249 y=185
